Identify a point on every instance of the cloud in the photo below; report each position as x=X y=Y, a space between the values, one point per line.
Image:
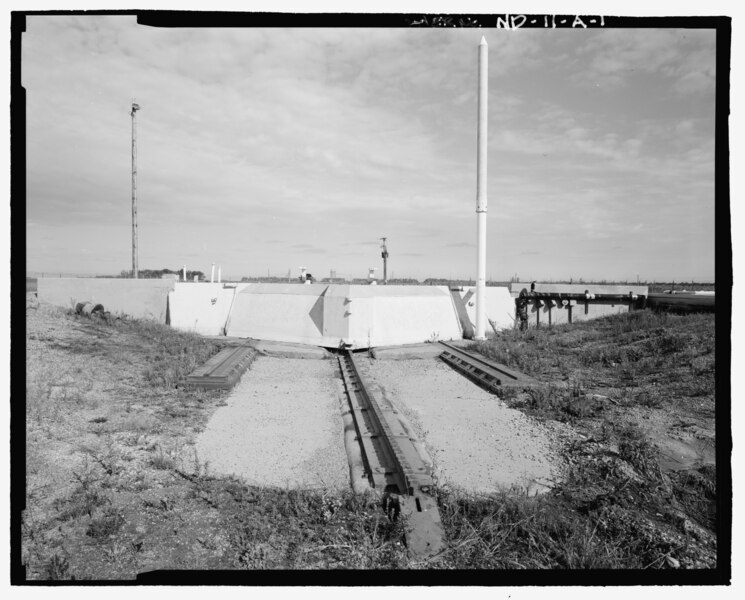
x=618 y=55
x=259 y=145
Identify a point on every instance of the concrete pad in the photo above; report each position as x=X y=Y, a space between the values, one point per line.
x=288 y=350
x=139 y=298
x=200 y=307
x=407 y=351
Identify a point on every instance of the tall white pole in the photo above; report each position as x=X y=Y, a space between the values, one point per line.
x=135 y=267
x=481 y=190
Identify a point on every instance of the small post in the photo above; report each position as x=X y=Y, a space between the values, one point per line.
x=184 y=272
x=212 y=274
x=219 y=272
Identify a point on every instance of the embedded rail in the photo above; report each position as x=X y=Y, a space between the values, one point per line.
x=489 y=375
x=392 y=462
x=223 y=370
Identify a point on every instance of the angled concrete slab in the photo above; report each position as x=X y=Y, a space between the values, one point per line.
x=356 y=315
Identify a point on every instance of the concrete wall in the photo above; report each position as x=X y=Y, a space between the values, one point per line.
x=139 y=298
x=500 y=306
x=544 y=312
x=557 y=314
x=579 y=288
x=282 y=313
x=400 y=314
x=201 y=308
x=360 y=315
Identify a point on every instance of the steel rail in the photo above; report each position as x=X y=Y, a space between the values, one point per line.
x=501 y=370
x=392 y=461
x=482 y=371
x=223 y=370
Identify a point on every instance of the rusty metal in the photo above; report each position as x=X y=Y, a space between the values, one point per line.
x=223 y=370
x=488 y=374
x=392 y=462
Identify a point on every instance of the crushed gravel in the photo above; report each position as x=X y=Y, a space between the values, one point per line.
x=281 y=427
x=476 y=442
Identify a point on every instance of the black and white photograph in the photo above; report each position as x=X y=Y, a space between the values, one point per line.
x=439 y=294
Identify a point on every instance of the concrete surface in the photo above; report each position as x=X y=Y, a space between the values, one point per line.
x=407 y=351
x=139 y=298
x=288 y=350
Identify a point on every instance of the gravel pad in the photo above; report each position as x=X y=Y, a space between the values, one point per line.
x=476 y=442
x=282 y=427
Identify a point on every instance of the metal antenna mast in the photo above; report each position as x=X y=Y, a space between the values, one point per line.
x=135 y=108
x=384 y=254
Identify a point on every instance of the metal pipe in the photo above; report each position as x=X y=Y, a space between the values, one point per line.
x=481 y=202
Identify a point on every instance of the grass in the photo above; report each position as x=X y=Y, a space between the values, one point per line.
x=618 y=372
x=639 y=349
x=132 y=495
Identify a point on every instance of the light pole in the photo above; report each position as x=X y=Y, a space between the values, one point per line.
x=135 y=108
x=384 y=254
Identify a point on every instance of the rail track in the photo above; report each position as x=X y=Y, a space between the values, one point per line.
x=489 y=375
x=223 y=370
x=392 y=462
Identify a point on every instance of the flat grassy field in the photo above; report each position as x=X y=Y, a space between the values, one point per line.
x=114 y=486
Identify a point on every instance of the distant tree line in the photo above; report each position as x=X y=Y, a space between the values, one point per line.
x=158 y=274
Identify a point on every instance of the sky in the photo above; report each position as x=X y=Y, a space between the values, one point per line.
x=264 y=150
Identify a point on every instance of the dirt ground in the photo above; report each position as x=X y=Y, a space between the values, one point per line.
x=281 y=426
x=119 y=480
